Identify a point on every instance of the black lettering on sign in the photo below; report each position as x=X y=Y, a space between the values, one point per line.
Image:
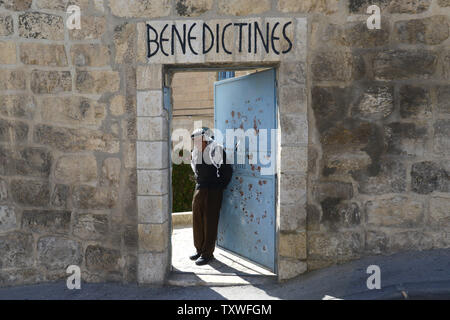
x=223 y=38
x=190 y=39
x=274 y=38
x=182 y=41
x=249 y=38
x=161 y=40
x=217 y=37
x=149 y=41
x=266 y=42
x=205 y=26
x=286 y=37
x=240 y=25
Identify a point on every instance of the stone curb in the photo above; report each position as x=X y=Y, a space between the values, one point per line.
x=181 y=219
x=214 y=280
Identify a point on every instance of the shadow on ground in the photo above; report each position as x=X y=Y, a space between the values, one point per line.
x=418 y=274
x=226 y=269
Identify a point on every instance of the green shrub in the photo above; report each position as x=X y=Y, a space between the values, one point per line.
x=183 y=185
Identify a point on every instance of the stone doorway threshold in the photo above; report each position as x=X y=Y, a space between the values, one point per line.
x=226 y=269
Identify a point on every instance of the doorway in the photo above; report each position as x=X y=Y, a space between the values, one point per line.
x=225 y=99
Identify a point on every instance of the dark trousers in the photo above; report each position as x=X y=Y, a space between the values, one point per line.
x=206 y=206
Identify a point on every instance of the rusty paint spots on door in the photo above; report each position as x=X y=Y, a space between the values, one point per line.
x=246 y=224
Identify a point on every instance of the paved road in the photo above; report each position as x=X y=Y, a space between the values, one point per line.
x=424 y=274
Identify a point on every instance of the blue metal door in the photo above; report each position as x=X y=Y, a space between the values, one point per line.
x=247 y=218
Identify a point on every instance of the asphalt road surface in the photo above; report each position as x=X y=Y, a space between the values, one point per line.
x=411 y=275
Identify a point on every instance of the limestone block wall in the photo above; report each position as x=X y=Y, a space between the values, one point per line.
x=379 y=170
x=365 y=134
x=193 y=93
x=67 y=143
x=193 y=99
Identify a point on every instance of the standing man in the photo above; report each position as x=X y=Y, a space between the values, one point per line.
x=212 y=175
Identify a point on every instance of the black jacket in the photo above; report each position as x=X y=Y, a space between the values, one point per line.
x=206 y=174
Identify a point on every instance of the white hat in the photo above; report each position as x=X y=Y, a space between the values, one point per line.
x=205 y=132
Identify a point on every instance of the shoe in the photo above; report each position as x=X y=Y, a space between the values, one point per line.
x=195 y=256
x=203 y=260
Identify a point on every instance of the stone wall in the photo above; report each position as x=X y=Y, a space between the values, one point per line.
x=379 y=171
x=193 y=99
x=67 y=143
x=378 y=121
x=193 y=93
